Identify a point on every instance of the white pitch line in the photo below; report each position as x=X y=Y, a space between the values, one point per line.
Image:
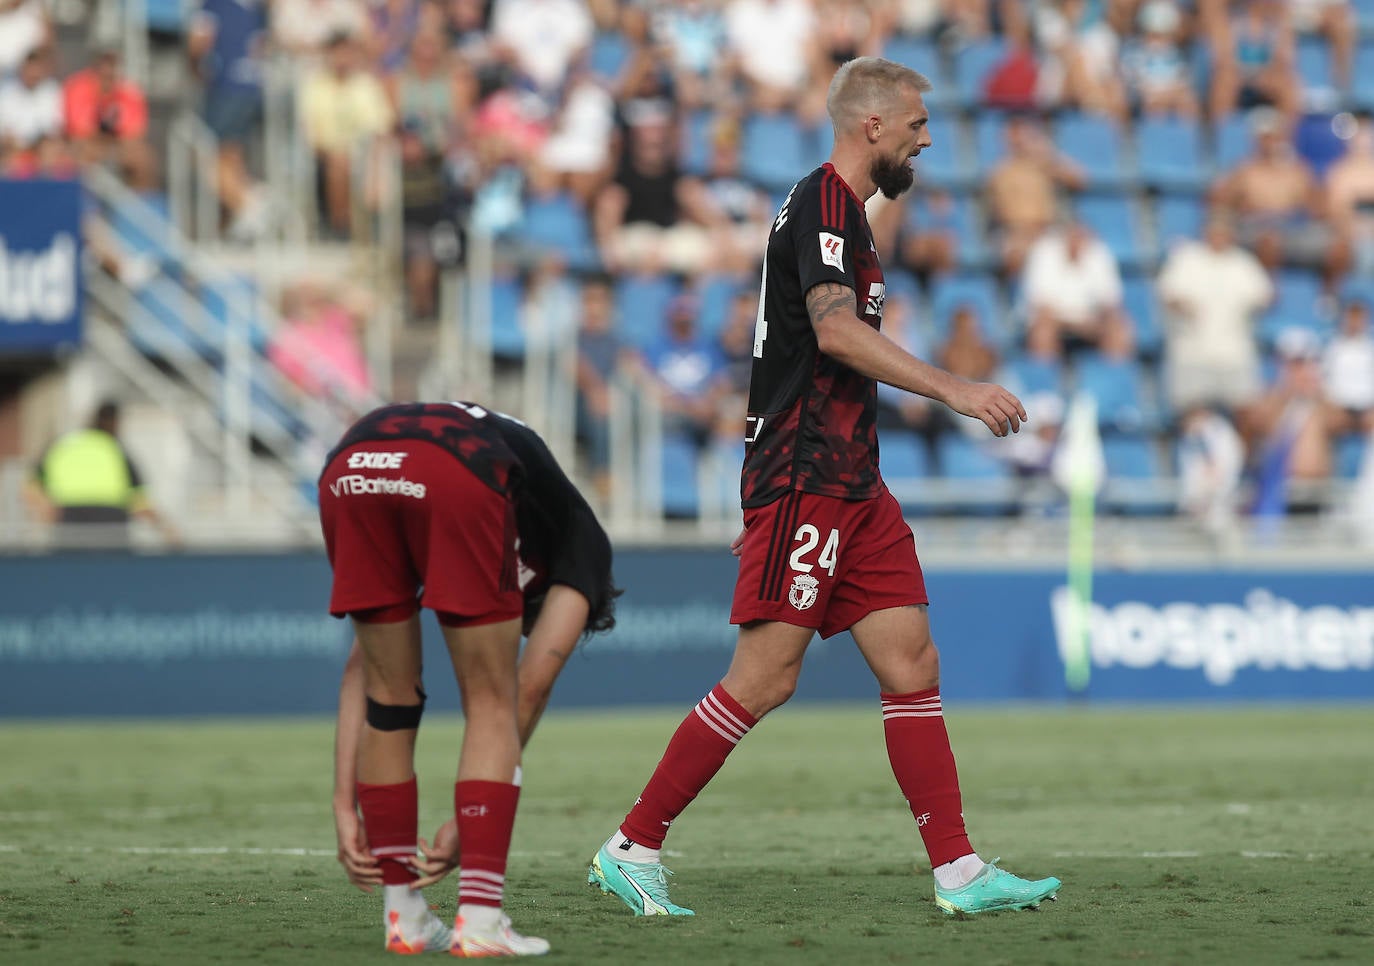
x=1190 y=854
x=156 y=813
x=213 y=850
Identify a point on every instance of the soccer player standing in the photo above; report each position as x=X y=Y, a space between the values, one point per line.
x=825 y=546
x=464 y=511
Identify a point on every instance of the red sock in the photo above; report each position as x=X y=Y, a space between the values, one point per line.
x=391 y=818
x=486 y=815
x=918 y=748
x=697 y=750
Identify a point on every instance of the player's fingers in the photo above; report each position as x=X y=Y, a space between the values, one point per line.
x=1012 y=417
x=1020 y=409
x=992 y=421
x=429 y=880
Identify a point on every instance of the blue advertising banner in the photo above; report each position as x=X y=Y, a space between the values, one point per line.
x=95 y=634
x=40 y=265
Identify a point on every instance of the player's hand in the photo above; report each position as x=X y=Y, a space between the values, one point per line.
x=1000 y=411
x=359 y=864
x=737 y=544
x=439 y=859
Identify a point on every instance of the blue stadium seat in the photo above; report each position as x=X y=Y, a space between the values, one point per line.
x=947 y=293
x=962 y=459
x=962 y=217
x=1359 y=289
x=989 y=141
x=1363 y=71
x=716 y=293
x=1113 y=219
x=609 y=54
x=1138 y=299
x=902 y=456
x=558 y=223
x=945 y=163
x=161 y=330
x=1029 y=376
x=166 y=16
x=1364 y=16
x=902 y=284
x=918 y=53
x=1095 y=145
x=1349 y=455
x=1232 y=141
x=1118 y=387
x=774 y=150
x=1131 y=459
x=972 y=64
x=1297 y=304
x=507 y=334
x=694 y=145
x=1171 y=155
x=1178 y=217
x=680 y=497
x=641 y=304
x=1314 y=64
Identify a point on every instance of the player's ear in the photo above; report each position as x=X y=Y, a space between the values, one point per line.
x=873 y=127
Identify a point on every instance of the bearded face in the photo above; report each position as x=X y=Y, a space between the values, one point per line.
x=892 y=176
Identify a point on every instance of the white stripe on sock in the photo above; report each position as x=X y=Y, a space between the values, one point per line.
x=716 y=728
x=911 y=704
x=725 y=712
x=394 y=850
x=722 y=718
x=913 y=714
x=496 y=878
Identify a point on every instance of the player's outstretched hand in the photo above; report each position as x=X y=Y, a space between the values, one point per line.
x=1000 y=411
x=359 y=864
x=439 y=859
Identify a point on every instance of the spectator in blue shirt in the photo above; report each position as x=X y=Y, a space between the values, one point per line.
x=685 y=366
x=225 y=44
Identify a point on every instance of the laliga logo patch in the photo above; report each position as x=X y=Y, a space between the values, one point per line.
x=803 y=592
x=832 y=250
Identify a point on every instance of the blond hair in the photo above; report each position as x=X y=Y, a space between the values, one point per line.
x=868 y=85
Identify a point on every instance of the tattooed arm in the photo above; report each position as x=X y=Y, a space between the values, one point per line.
x=847 y=339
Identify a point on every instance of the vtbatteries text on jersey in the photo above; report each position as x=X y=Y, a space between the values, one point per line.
x=812 y=422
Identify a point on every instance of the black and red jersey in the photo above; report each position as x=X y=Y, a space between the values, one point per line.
x=560 y=538
x=812 y=421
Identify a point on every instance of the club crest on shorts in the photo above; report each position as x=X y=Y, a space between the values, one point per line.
x=803 y=592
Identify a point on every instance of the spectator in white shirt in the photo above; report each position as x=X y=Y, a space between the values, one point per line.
x=30 y=103
x=774 y=46
x=24 y=27
x=1212 y=290
x=304 y=27
x=543 y=36
x=1072 y=284
x=1348 y=370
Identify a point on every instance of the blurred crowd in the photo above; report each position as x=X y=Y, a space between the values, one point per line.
x=1168 y=204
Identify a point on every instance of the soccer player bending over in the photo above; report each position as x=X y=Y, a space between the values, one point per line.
x=824 y=545
x=464 y=511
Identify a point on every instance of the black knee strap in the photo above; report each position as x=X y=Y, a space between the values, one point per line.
x=396 y=717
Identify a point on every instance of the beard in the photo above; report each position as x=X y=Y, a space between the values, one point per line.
x=893 y=178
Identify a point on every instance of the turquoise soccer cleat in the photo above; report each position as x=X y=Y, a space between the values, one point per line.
x=643 y=886
x=996 y=889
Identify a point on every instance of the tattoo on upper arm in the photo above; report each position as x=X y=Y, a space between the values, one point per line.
x=828 y=297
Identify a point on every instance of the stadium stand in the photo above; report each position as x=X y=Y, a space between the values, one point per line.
x=181 y=242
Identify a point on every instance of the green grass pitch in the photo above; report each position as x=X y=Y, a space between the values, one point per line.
x=1221 y=836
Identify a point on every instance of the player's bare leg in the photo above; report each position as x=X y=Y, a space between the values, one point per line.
x=488 y=787
x=762 y=676
x=897 y=645
x=386 y=790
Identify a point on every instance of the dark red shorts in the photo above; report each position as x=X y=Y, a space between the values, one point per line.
x=822 y=562
x=406 y=524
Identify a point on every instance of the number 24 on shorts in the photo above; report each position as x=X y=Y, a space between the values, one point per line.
x=807 y=538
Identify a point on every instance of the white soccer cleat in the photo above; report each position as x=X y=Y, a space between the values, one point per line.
x=432 y=936
x=500 y=940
